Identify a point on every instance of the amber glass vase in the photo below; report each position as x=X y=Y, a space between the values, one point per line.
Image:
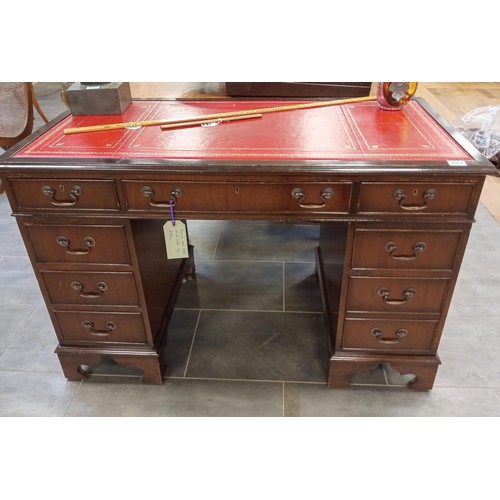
x=395 y=95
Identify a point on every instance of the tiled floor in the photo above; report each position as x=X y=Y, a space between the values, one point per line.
x=247 y=336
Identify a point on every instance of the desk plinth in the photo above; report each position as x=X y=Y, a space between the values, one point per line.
x=394 y=193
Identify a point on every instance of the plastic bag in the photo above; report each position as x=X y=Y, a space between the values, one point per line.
x=482 y=129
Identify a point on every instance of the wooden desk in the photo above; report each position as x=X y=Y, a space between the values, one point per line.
x=394 y=192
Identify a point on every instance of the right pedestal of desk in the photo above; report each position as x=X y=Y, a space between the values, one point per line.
x=387 y=279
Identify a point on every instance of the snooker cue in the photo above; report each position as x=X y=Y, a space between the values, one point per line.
x=149 y=123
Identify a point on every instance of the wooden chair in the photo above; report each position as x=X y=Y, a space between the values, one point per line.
x=17 y=100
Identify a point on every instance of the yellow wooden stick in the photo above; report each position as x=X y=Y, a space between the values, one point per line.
x=208 y=122
x=149 y=123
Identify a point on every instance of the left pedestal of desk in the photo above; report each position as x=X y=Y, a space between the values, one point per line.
x=106 y=281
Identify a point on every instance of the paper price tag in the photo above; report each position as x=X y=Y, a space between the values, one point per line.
x=176 y=240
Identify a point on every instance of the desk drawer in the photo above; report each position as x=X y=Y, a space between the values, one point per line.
x=405 y=249
x=396 y=295
x=91 y=288
x=60 y=194
x=79 y=244
x=415 y=198
x=240 y=197
x=99 y=327
x=388 y=335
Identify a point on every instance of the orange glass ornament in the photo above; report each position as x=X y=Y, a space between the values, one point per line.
x=395 y=95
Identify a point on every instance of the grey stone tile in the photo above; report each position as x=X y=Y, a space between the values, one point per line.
x=493 y=234
x=301 y=241
x=5 y=210
x=484 y=218
x=452 y=311
x=34 y=394
x=33 y=347
x=180 y=338
x=244 y=240
x=11 y=243
x=314 y=400
x=302 y=291
x=270 y=241
x=396 y=378
x=259 y=346
x=470 y=353
x=234 y=285
x=203 y=235
x=179 y=398
x=477 y=292
x=18 y=284
x=377 y=376
x=480 y=251
x=497 y=394
x=11 y=320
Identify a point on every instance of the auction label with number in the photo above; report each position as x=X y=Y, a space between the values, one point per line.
x=176 y=240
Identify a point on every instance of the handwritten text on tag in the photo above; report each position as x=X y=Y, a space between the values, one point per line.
x=176 y=240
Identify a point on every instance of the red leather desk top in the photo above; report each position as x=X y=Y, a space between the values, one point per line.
x=357 y=132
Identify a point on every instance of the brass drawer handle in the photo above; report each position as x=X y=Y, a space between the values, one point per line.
x=400 y=195
x=101 y=288
x=88 y=242
x=408 y=294
x=149 y=193
x=110 y=326
x=377 y=332
x=74 y=194
x=326 y=194
x=391 y=247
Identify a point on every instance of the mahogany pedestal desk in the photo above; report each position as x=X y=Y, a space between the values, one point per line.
x=394 y=192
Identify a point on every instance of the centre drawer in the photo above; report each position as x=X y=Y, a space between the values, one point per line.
x=98 y=327
x=396 y=295
x=90 y=288
x=79 y=243
x=331 y=197
x=405 y=249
